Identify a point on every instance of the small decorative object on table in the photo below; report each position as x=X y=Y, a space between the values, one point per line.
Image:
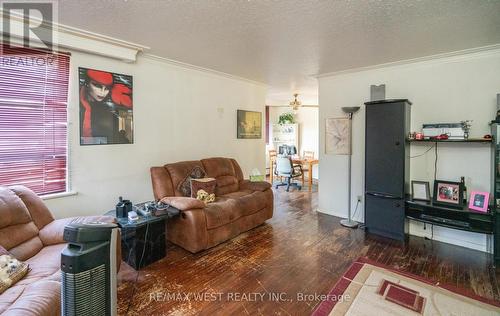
x=479 y=201
x=448 y=193
x=466 y=125
x=462 y=181
x=441 y=137
x=123 y=207
x=163 y=209
x=421 y=190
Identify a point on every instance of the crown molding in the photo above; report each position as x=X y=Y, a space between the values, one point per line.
x=72 y=38
x=199 y=68
x=455 y=55
x=72 y=31
x=288 y=106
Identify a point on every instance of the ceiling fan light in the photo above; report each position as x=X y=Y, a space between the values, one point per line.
x=295 y=104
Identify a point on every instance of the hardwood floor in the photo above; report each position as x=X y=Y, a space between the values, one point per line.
x=297 y=251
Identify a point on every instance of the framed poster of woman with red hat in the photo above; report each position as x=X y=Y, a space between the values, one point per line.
x=106 y=107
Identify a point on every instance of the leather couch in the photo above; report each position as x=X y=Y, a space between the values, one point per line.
x=240 y=205
x=30 y=233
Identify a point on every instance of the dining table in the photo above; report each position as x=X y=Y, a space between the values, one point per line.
x=297 y=160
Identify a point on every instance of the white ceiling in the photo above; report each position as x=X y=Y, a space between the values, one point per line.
x=284 y=43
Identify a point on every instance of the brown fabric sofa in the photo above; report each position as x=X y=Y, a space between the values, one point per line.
x=240 y=204
x=30 y=233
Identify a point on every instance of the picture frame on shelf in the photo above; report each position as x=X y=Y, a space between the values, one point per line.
x=421 y=190
x=479 y=201
x=448 y=193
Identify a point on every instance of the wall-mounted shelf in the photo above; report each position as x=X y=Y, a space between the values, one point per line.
x=469 y=140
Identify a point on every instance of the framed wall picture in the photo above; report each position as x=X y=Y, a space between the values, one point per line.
x=448 y=193
x=106 y=107
x=249 y=124
x=338 y=136
x=479 y=201
x=421 y=190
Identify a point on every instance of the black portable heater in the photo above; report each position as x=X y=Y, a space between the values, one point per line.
x=88 y=267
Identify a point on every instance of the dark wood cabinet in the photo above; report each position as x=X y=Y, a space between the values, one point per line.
x=386 y=167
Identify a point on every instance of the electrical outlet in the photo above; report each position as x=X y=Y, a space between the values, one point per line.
x=360 y=198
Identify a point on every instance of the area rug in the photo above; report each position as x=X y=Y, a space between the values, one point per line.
x=370 y=288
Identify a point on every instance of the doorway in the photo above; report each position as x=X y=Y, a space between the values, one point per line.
x=299 y=131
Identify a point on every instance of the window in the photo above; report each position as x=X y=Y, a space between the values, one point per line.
x=33 y=119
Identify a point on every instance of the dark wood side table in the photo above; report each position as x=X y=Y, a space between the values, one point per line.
x=144 y=236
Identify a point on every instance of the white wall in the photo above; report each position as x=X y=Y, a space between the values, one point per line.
x=179 y=114
x=308 y=120
x=442 y=90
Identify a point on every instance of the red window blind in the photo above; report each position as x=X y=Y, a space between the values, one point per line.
x=33 y=119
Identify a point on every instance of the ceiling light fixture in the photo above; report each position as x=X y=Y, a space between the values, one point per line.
x=295 y=104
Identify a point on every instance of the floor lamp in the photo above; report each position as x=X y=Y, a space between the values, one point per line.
x=349 y=222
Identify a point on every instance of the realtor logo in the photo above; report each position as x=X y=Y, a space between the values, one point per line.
x=28 y=24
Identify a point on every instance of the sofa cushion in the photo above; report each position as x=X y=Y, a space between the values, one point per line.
x=162 y=183
x=18 y=232
x=237 y=194
x=44 y=264
x=39 y=212
x=40 y=298
x=255 y=186
x=221 y=212
x=27 y=249
x=252 y=203
x=222 y=169
x=12 y=210
x=226 y=184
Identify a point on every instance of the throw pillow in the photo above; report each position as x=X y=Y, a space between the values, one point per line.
x=206 y=184
x=11 y=270
x=185 y=185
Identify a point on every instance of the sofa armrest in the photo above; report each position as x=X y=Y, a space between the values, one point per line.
x=53 y=232
x=254 y=186
x=183 y=203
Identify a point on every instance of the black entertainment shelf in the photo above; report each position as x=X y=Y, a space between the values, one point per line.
x=463 y=218
x=468 y=140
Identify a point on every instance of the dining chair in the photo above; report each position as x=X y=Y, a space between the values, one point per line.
x=307 y=155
